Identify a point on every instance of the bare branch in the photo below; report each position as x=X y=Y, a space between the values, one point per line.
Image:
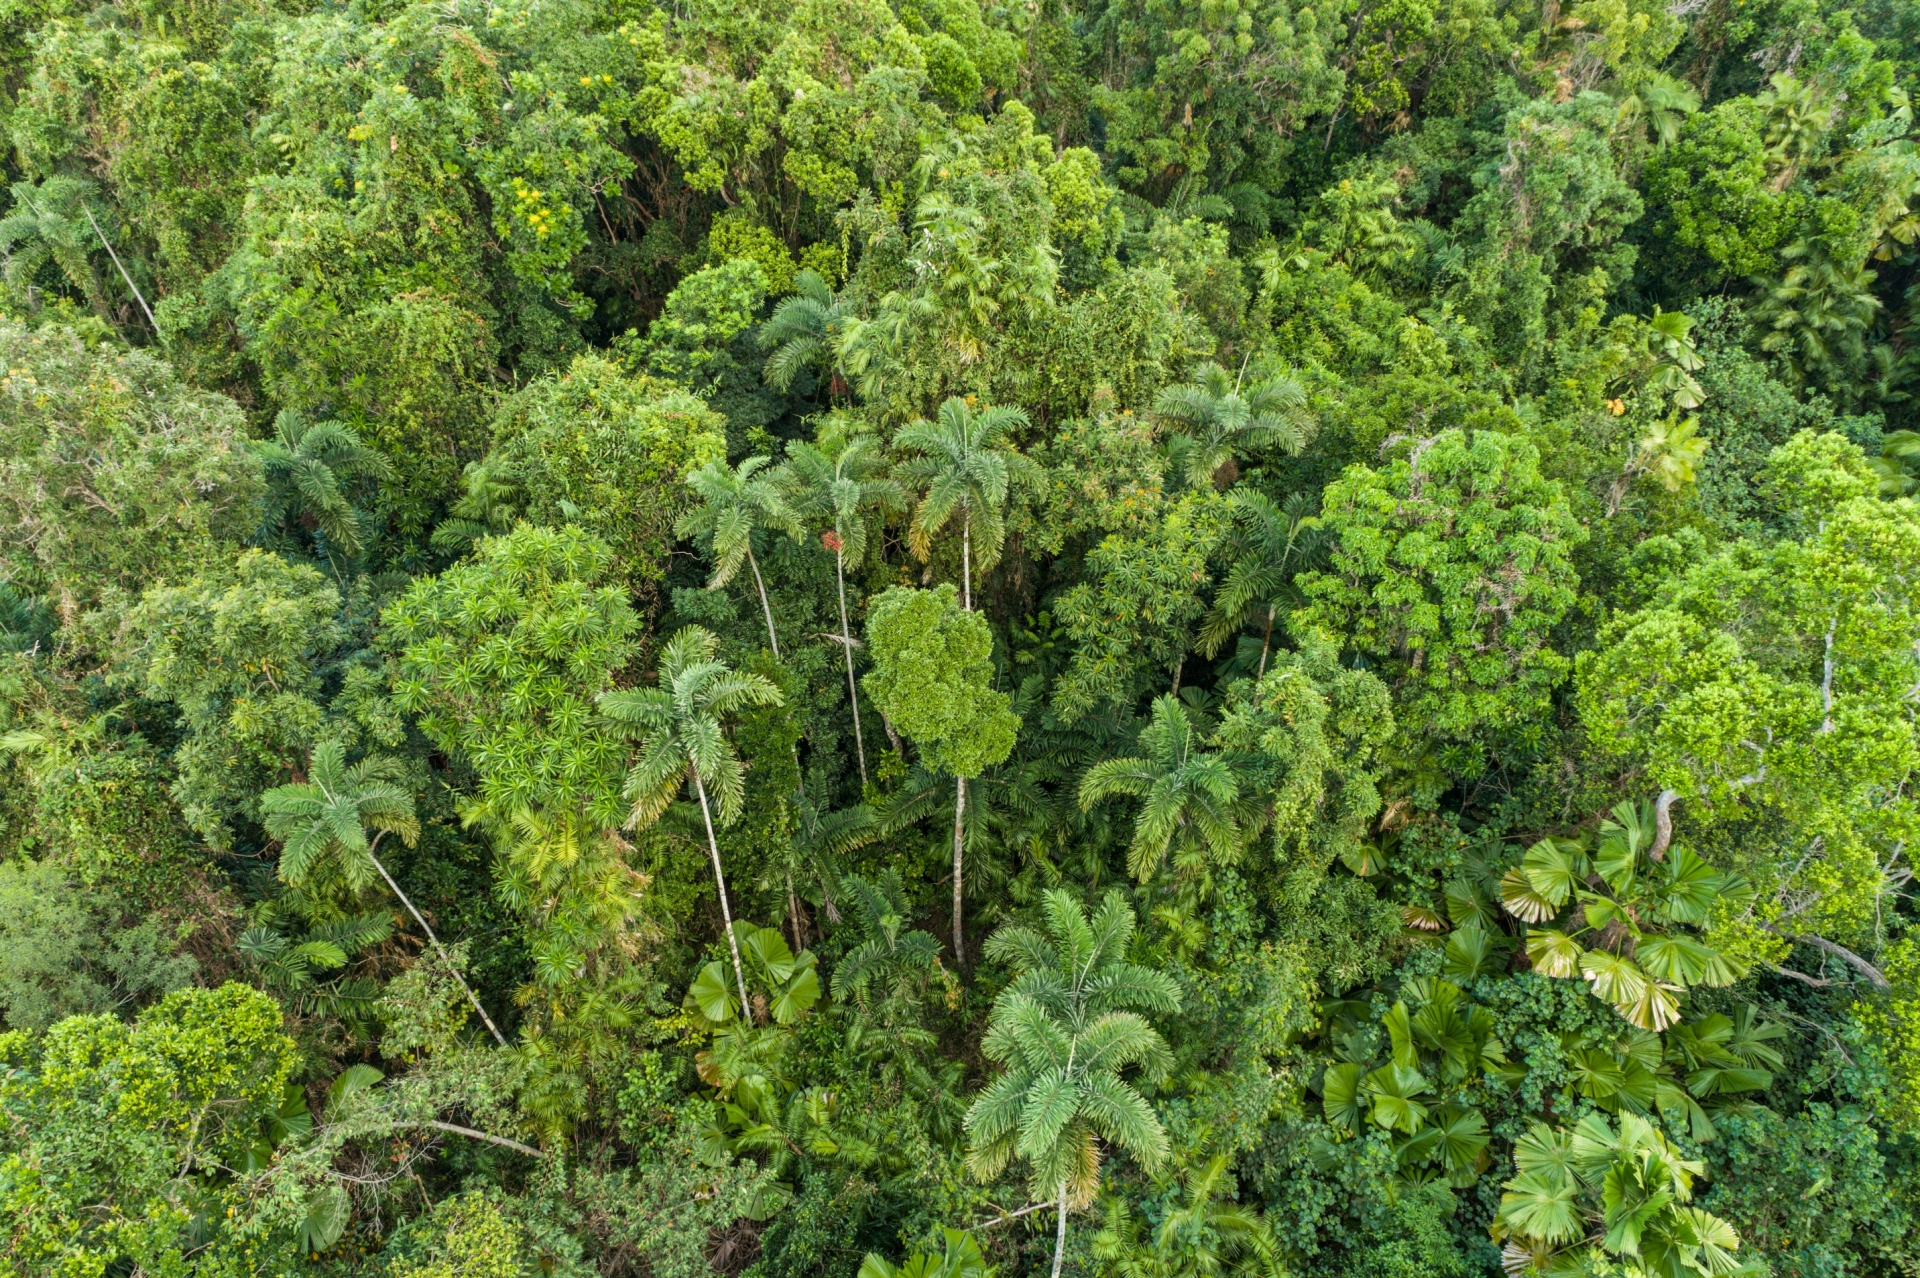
x=1015 y=1215
x=458 y=1130
x=1873 y=974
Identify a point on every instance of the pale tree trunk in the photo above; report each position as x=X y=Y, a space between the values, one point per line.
x=1266 y=643
x=438 y=948
x=766 y=606
x=1060 y=1231
x=773 y=640
x=793 y=914
x=726 y=911
x=846 y=644
x=966 y=562
x=959 y=844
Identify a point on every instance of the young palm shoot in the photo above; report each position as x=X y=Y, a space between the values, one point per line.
x=1189 y=798
x=1065 y=1029
x=803 y=334
x=1272 y=543
x=322 y=826
x=681 y=725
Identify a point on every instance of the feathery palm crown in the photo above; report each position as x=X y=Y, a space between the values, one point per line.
x=1065 y=1029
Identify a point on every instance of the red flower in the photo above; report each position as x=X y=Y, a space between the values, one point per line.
x=831 y=540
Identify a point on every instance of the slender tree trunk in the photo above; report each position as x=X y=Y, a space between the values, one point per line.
x=773 y=641
x=726 y=911
x=959 y=845
x=765 y=606
x=793 y=913
x=1266 y=643
x=966 y=562
x=438 y=949
x=846 y=644
x=1060 y=1231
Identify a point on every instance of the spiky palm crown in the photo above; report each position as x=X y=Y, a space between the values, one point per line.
x=307 y=465
x=1204 y=1234
x=964 y=467
x=488 y=507
x=832 y=486
x=322 y=823
x=1221 y=416
x=1272 y=544
x=681 y=727
x=734 y=500
x=889 y=954
x=1065 y=1029
x=48 y=222
x=803 y=331
x=1187 y=794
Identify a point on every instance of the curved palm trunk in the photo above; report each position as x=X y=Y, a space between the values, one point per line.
x=773 y=640
x=1267 y=643
x=846 y=646
x=959 y=813
x=726 y=910
x=1060 y=1231
x=438 y=949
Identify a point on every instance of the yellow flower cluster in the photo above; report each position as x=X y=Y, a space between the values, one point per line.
x=534 y=209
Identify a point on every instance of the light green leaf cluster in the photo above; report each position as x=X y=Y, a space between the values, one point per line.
x=933 y=677
x=119 y=1136
x=1769 y=679
x=1452 y=567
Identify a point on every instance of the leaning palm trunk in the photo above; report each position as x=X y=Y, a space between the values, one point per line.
x=726 y=911
x=773 y=640
x=846 y=645
x=1266 y=644
x=959 y=813
x=438 y=948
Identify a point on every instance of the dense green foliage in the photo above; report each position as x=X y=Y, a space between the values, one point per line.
x=929 y=639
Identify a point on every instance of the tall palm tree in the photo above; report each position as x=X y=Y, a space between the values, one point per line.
x=322 y=826
x=1221 y=416
x=681 y=727
x=831 y=486
x=1271 y=545
x=306 y=464
x=1065 y=1029
x=964 y=468
x=805 y=332
x=733 y=501
x=1187 y=796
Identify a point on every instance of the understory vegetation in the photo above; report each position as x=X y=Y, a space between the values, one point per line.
x=933 y=638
